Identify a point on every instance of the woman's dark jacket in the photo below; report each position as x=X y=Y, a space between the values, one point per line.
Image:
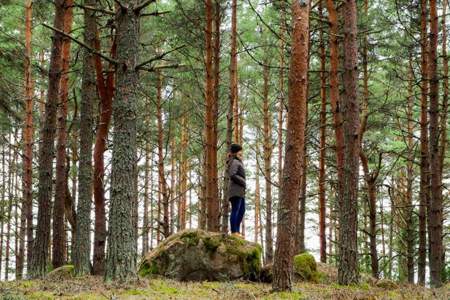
x=236 y=173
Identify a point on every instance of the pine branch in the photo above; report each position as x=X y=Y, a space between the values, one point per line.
x=158 y=57
x=109 y=59
x=156 y=13
x=105 y=11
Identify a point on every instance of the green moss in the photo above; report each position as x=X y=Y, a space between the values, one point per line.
x=306 y=267
x=162 y=287
x=191 y=238
x=286 y=295
x=40 y=295
x=9 y=296
x=88 y=296
x=147 y=269
x=253 y=263
x=26 y=284
x=211 y=244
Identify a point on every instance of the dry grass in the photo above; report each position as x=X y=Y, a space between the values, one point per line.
x=89 y=288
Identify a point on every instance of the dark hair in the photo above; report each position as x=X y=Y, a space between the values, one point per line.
x=235 y=148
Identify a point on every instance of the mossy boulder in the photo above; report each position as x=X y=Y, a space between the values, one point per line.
x=197 y=255
x=305 y=267
x=386 y=284
x=61 y=273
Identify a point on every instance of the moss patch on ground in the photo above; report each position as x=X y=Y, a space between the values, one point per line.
x=92 y=288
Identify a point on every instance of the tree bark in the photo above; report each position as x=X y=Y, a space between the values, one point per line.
x=121 y=254
x=334 y=97
x=183 y=175
x=444 y=112
x=26 y=222
x=82 y=245
x=40 y=255
x=161 y=173
x=323 y=134
x=370 y=178
x=267 y=148
x=211 y=197
x=435 y=207
x=257 y=195
x=294 y=151
x=105 y=87
x=59 y=233
x=424 y=192
x=348 y=204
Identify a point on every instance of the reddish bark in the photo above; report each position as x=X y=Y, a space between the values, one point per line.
x=40 y=256
x=105 y=87
x=211 y=197
x=267 y=151
x=28 y=130
x=444 y=112
x=58 y=248
x=294 y=151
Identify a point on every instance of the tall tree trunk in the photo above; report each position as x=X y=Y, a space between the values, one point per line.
x=9 y=205
x=424 y=153
x=59 y=233
x=435 y=207
x=334 y=99
x=444 y=112
x=229 y=133
x=2 y=207
x=173 y=195
x=161 y=173
x=322 y=154
x=105 y=88
x=267 y=148
x=147 y=187
x=233 y=71
x=281 y=104
x=26 y=223
x=257 y=195
x=211 y=197
x=294 y=151
x=370 y=178
x=410 y=241
x=348 y=204
x=281 y=87
x=183 y=175
x=121 y=254
x=82 y=245
x=40 y=255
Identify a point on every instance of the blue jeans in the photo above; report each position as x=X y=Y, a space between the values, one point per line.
x=237 y=213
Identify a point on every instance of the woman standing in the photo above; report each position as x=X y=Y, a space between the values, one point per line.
x=236 y=190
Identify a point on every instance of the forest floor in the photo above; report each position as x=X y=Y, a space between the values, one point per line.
x=89 y=288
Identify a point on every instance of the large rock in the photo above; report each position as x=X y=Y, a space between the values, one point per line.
x=305 y=267
x=197 y=255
